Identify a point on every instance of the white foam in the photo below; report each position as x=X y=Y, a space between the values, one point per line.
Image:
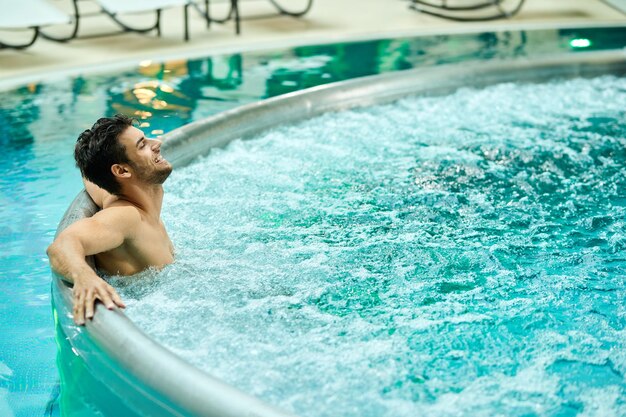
x=436 y=256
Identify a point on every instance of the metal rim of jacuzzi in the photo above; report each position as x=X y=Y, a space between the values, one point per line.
x=152 y=380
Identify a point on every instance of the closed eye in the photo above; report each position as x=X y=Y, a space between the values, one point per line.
x=141 y=143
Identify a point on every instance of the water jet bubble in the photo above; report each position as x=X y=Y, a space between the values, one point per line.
x=423 y=258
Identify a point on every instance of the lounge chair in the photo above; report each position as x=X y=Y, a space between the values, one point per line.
x=234 y=13
x=115 y=8
x=30 y=15
x=466 y=12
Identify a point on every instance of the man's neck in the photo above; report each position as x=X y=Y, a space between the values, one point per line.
x=147 y=198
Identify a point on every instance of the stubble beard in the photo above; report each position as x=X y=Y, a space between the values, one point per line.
x=156 y=176
x=159 y=177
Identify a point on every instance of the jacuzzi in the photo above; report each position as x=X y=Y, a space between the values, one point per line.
x=121 y=371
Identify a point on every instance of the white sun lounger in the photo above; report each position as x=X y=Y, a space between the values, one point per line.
x=138 y=6
x=114 y=8
x=233 y=13
x=29 y=14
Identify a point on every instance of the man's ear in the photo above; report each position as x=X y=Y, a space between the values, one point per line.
x=120 y=171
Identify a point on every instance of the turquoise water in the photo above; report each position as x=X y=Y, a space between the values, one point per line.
x=39 y=124
x=461 y=255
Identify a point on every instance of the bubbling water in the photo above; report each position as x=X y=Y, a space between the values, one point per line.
x=458 y=255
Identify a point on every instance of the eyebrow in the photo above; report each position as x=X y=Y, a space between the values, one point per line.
x=139 y=141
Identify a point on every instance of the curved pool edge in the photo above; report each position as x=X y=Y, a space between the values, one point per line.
x=155 y=381
x=376 y=89
x=143 y=375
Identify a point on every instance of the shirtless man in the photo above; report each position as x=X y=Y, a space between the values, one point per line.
x=124 y=172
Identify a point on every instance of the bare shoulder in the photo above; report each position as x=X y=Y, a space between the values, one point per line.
x=105 y=230
x=120 y=215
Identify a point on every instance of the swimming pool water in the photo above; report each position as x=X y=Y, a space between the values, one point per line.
x=460 y=255
x=40 y=121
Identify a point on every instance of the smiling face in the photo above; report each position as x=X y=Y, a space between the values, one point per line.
x=145 y=157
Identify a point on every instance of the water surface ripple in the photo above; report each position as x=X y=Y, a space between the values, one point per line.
x=458 y=255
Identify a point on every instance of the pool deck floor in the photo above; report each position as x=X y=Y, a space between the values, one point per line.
x=328 y=21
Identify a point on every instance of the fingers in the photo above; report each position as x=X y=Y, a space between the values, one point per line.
x=116 y=298
x=110 y=298
x=105 y=297
x=89 y=304
x=83 y=305
x=79 y=307
x=85 y=300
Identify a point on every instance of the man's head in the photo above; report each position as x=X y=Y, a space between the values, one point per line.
x=113 y=151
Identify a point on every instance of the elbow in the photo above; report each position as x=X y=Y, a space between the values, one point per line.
x=57 y=257
x=57 y=252
x=53 y=252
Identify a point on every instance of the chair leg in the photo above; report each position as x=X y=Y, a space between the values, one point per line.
x=207 y=13
x=74 y=33
x=284 y=11
x=186 y=13
x=158 y=23
x=417 y=5
x=235 y=9
x=233 y=13
x=126 y=28
x=36 y=33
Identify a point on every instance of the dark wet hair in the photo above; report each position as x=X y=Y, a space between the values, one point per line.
x=98 y=148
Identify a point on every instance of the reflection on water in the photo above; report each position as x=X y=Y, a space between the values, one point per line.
x=180 y=89
x=39 y=124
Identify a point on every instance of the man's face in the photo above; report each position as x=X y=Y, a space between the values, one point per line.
x=145 y=156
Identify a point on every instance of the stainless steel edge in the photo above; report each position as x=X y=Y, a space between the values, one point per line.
x=245 y=121
x=162 y=379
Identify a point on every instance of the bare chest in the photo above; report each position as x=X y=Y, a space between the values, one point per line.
x=151 y=247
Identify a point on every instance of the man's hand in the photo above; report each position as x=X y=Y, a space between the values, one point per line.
x=87 y=291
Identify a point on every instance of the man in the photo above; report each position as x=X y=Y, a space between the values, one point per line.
x=127 y=235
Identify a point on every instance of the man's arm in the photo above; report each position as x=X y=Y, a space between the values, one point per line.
x=106 y=230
